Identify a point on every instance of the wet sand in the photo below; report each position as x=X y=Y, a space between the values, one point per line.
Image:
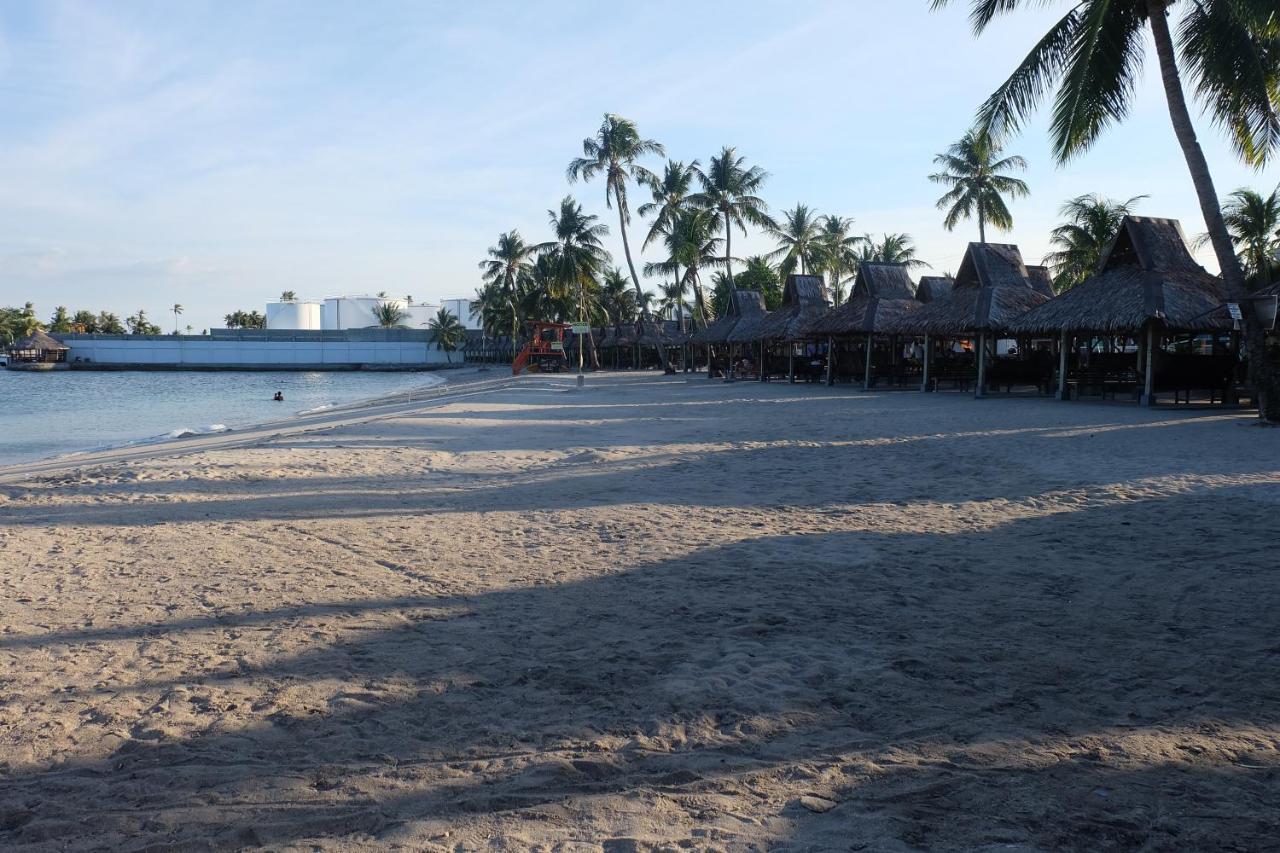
x=656 y=613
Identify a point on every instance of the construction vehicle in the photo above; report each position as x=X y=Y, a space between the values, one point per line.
x=545 y=351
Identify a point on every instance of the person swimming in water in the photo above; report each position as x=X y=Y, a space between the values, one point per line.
x=279 y=397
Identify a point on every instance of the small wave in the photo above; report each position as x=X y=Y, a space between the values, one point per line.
x=324 y=407
x=183 y=432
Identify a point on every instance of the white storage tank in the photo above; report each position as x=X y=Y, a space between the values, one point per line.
x=461 y=308
x=354 y=312
x=294 y=314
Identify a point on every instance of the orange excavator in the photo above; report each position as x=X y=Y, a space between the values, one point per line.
x=545 y=351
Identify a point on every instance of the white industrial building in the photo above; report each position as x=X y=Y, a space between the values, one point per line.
x=461 y=308
x=339 y=313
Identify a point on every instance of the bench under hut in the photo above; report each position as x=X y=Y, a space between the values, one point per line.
x=992 y=288
x=804 y=300
x=742 y=306
x=1147 y=288
x=882 y=296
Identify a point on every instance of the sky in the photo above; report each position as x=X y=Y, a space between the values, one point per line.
x=216 y=154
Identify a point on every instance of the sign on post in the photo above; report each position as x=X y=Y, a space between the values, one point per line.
x=1233 y=308
x=580 y=328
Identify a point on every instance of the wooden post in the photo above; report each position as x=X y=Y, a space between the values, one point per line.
x=924 y=372
x=981 y=390
x=831 y=360
x=791 y=362
x=1064 y=344
x=1149 y=380
x=866 y=376
x=761 y=350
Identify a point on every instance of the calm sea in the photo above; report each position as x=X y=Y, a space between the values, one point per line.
x=49 y=414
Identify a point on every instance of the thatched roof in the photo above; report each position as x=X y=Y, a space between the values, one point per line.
x=934 y=287
x=745 y=303
x=992 y=289
x=39 y=341
x=882 y=295
x=1041 y=280
x=804 y=300
x=1146 y=274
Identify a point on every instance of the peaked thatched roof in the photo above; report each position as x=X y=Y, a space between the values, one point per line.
x=804 y=299
x=1041 y=280
x=934 y=287
x=744 y=303
x=38 y=340
x=1146 y=274
x=992 y=289
x=882 y=295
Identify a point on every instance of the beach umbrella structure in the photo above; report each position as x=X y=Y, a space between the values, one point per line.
x=882 y=295
x=992 y=288
x=1147 y=290
x=743 y=305
x=804 y=300
x=37 y=351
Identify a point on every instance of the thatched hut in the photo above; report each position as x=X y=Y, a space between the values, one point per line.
x=37 y=351
x=743 y=306
x=804 y=300
x=1146 y=287
x=882 y=296
x=934 y=287
x=992 y=289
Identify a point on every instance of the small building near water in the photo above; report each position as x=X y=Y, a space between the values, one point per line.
x=37 y=351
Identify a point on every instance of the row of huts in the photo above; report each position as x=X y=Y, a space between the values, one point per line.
x=1150 y=320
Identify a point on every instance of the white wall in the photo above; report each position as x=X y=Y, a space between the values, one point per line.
x=461 y=308
x=188 y=351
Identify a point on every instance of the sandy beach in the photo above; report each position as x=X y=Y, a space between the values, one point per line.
x=657 y=613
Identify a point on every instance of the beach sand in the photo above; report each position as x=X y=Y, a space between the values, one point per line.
x=654 y=613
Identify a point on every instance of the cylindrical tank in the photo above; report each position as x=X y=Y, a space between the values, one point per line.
x=293 y=315
x=355 y=312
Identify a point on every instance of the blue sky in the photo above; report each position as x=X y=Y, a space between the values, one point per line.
x=215 y=154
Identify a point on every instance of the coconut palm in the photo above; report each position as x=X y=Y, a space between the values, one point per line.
x=508 y=262
x=891 y=249
x=617 y=298
x=176 y=310
x=613 y=152
x=729 y=187
x=976 y=175
x=109 y=324
x=1094 y=56
x=577 y=254
x=61 y=320
x=838 y=253
x=798 y=239
x=85 y=322
x=389 y=315
x=1254 y=223
x=671 y=301
x=670 y=196
x=760 y=275
x=1092 y=223
x=692 y=246
x=288 y=296
x=446 y=332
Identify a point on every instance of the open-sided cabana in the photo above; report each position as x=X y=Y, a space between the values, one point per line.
x=37 y=351
x=804 y=300
x=1147 y=290
x=992 y=288
x=743 y=305
x=882 y=295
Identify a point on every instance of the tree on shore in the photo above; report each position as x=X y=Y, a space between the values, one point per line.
x=139 y=324
x=176 y=309
x=1094 y=56
x=691 y=247
x=245 y=320
x=509 y=263
x=891 y=249
x=1254 y=223
x=447 y=332
x=798 y=237
x=838 y=253
x=389 y=315
x=729 y=187
x=61 y=320
x=1092 y=222
x=978 y=181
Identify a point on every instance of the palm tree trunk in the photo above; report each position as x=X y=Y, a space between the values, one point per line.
x=1261 y=373
x=982 y=225
x=635 y=279
x=728 y=252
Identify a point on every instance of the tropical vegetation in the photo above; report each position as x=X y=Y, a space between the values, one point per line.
x=979 y=182
x=1091 y=223
x=447 y=332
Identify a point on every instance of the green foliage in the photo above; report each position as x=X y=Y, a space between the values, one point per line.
x=891 y=249
x=85 y=321
x=762 y=276
x=245 y=320
x=139 y=324
x=17 y=323
x=60 y=321
x=503 y=272
x=730 y=187
x=1253 y=220
x=389 y=315
x=288 y=296
x=838 y=254
x=109 y=324
x=975 y=173
x=447 y=333
x=1092 y=222
x=798 y=236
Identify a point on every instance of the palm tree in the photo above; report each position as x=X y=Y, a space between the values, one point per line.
x=1094 y=55
x=691 y=243
x=613 y=152
x=446 y=332
x=974 y=170
x=389 y=315
x=288 y=296
x=577 y=254
x=758 y=274
x=507 y=263
x=891 y=249
x=176 y=309
x=61 y=320
x=671 y=302
x=797 y=235
x=1254 y=223
x=670 y=196
x=617 y=299
x=729 y=188
x=838 y=252
x=1092 y=223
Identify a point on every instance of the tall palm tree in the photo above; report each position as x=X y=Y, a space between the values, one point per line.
x=729 y=187
x=1254 y=222
x=838 y=252
x=691 y=243
x=1094 y=55
x=446 y=332
x=798 y=239
x=613 y=152
x=976 y=175
x=670 y=196
x=578 y=253
x=61 y=320
x=671 y=302
x=176 y=309
x=891 y=249
x=508 y=261
x=1092 y=223
x=617 y=299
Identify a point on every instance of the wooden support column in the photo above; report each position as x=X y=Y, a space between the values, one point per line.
x=1149 y=379
x=1064 y=345
x=762 y=368
x=981 y=390
x=791 y=362
x=866 y=376
x=831 y=361
x=924 y=371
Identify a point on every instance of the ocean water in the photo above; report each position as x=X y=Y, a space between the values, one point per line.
x=50 y=414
